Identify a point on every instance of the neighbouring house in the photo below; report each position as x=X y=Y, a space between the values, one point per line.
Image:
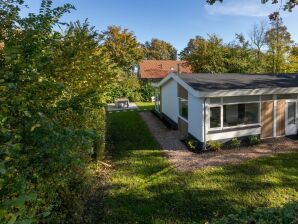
x=155 y=70
x=224 y=106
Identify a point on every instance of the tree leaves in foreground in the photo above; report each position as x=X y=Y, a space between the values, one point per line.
x=288 y=5
x=51 y=115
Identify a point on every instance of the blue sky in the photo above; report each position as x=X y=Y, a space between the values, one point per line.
x=175 y=21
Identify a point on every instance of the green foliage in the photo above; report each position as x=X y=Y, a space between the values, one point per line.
x=51 y=115
x=235 y=143
x=279 y=41
x=254 y=140
x=122 y=47
x=159 y=50
x=289 y=5
x=146 y=91
x=285 y=214
x=214 y=145
x=130 y=86
x=191 y=144
x=205 y=55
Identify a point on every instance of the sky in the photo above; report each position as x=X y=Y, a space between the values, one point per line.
x=175 y=21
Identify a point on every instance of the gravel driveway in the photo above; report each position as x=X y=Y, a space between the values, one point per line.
x=185 y=160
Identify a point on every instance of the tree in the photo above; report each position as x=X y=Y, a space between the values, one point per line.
x=278 y=40
x=239 y=56
x=205 y=55
x=52 y=119
x=122 y=47
x=159 y=50
x=258 y=37
x=293 y=60
x=288 y=5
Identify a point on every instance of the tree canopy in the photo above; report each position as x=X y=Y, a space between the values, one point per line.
x=159 y=50
x=122 y=47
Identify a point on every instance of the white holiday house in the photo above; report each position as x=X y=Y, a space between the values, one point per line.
x=224 y=106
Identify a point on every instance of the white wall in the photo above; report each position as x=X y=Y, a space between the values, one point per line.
x=169 y=100
x=233 y=134
x=195 y=117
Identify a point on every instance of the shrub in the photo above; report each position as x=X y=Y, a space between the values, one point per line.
x=191 y=144
x=146 y=91
x=214 y=145
x=235 y=143
x=254 y=140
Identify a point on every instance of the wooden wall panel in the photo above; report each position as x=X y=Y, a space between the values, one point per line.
x=267 y=119
x=280 y=117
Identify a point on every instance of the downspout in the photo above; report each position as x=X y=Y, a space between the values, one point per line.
x=205 y=142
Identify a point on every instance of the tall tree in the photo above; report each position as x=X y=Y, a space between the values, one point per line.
x=205 y=55
x=239 y=56
x=278 y=40
x=293 y=60
x=122 y=47
x=159 y=50
x=258 y=37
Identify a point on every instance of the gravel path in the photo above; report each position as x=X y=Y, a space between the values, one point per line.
x=185 y=160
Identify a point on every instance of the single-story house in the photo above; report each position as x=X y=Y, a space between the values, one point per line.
x=224 y=106
x=155 y=70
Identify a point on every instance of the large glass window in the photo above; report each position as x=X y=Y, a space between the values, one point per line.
x=240 y=114
x=291 y=113
x=215 y=117
x=183 y=108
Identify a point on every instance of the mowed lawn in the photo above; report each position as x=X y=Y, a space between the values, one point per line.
x=144 y=188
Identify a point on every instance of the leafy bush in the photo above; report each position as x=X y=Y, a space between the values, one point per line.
x=191 y=144
x=51 y=117
x=214 y=145
x=147 y=91
x=131 y=87
x=127 y=86
x=235 y=143
x=254 y=140
x=286 y=214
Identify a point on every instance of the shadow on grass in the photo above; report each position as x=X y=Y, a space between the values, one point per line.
x=144 y=188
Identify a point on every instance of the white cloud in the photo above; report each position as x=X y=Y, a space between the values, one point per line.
x=240 y=8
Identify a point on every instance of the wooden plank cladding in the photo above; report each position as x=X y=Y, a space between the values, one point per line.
x=280 y=117
x=267 y=119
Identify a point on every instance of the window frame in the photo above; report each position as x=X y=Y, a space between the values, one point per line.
x=221 y=105
x=183 y=118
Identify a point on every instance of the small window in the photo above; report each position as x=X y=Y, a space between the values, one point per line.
x=215 y=117
x=183 y=108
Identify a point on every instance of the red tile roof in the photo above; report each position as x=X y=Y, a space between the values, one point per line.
x=158 y=69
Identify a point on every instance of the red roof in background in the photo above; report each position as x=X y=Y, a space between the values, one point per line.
x=158 y=69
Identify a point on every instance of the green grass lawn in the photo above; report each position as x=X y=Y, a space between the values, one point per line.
x=144 y=188
x=145 y=105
